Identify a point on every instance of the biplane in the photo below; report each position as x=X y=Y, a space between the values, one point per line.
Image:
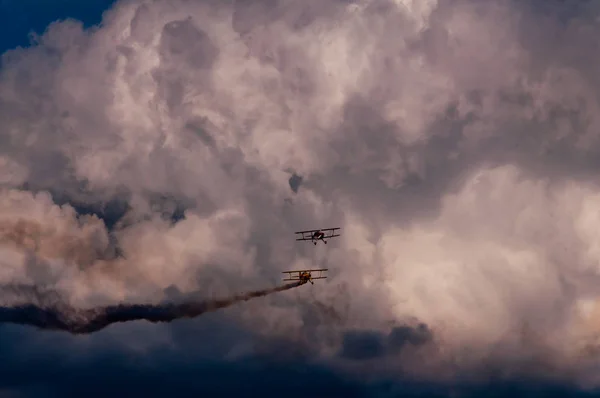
x=304 y=275
x=316 y=235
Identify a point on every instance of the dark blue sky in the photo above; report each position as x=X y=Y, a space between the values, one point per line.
x=20 y=17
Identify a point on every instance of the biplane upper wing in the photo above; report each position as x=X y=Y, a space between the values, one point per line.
x=307 y=231
x=305 y=270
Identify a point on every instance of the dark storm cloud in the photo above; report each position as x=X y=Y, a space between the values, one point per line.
x=159 y=371
x=372 y=344
x=168 y=370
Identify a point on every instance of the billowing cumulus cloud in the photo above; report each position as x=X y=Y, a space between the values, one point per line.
x=454 y=142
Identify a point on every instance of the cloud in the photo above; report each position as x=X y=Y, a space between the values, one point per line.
x=179 y=145
x=370 y=344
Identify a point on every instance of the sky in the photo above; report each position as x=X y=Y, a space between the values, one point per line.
x=19 y=19
x=160 y=151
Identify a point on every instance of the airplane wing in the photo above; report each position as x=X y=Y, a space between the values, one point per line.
x=304 y=238
x=305 y=232
x=315 y=230
x=332 y=232
x=297 y=279
x=305 y=270
x=292 y=277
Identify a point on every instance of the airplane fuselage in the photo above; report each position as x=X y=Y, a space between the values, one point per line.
x=318 y=235
x=305 y=277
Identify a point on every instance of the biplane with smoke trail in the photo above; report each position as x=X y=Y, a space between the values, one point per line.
x=304 y=275
x=316 y=235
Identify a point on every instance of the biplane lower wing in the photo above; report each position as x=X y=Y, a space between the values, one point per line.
x=311 y=238
x=298 y=279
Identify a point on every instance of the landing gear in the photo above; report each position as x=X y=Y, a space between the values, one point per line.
x=315 y=243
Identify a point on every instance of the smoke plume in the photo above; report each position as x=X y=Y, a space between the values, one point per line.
x=60 y=316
